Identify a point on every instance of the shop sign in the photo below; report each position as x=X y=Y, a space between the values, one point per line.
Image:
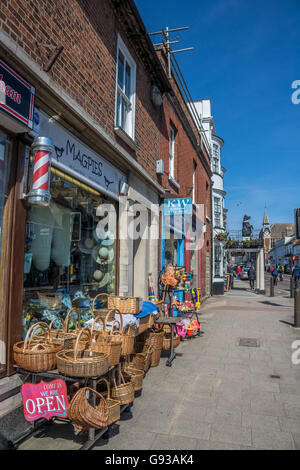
x=71 y=153
x=178 y=206
x=16 y=95
x=45 y=400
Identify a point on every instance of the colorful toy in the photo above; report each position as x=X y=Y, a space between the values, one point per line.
x=181 y=329
x=190 y=331
x=197 y=291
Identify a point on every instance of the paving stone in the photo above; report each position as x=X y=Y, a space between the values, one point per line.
x=273 y=440
x=230 y=434
x=189 y=425
x=168 y=442
x=251 y=420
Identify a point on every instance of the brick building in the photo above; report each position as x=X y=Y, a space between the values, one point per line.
x=88 y=75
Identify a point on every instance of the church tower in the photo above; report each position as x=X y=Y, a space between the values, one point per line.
x=266 y=236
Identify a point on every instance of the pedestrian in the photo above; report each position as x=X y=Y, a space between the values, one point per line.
x=275 y=274
x=281 y=271
x=252 y=277
x=238 y=271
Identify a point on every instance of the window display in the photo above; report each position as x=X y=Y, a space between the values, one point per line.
x=66 y=263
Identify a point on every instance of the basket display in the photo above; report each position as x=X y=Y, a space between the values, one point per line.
x=106 y=342
x=51 y=301
x=83 y=362
x=136 y=375
x=167 y=341
x=83 y=414
x=131 y=305
x=114 y=409
x=39 y=354
x=123 y=393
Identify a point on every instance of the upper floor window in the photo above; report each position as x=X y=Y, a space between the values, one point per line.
x=217 y=211
x=172 y=153
x=215 y=159
x=126 y=84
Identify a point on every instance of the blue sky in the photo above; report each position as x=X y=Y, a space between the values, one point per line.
x=246 y=57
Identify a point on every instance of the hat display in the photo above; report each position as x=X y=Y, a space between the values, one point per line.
x=86 y=245
x=98 y=275
x=103 y=252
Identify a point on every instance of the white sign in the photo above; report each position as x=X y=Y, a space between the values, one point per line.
x=71 y=153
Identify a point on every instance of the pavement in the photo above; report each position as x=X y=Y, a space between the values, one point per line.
x=218 y=394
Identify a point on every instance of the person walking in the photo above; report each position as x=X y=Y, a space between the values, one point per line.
x=275 y=274
x=252 y=277
x=281 y=271
x=238 y=271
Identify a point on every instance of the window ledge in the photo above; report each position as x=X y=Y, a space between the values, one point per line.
x=124 y=136
x=174 y=182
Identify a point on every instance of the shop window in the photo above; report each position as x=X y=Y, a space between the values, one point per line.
x=66 y=263
x=126 y=84
x=5 y=166
x=217 y=211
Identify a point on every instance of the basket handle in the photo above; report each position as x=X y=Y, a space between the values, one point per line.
x=122 y=377
x=114 y=310
x=97 y=296
x=67 y=319
x=98 y=317
x=96 y=393
x=108 y=387
x=54 y=320
x=119 y=331
x=131 y=327
x=30 y=331
x=84 y=330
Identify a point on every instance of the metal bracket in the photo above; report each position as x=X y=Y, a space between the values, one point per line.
x=51 y=59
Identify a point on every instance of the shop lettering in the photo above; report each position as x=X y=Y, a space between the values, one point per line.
x=84 y=160
x=8 y=91
x=44 y=400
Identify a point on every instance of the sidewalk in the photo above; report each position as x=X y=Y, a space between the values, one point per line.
x=217 y=394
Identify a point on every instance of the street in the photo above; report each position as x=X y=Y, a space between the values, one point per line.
x=235 y=387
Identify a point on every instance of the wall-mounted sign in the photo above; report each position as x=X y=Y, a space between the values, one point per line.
x=178 y=206
x=16 y=95
x=45 y=400
x=71 y=153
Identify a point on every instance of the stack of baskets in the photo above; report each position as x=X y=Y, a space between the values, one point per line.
x=37 y=353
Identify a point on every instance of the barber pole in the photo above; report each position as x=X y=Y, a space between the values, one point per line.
x=42 y=148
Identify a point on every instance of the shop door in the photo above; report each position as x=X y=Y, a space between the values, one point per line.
x=5 y=164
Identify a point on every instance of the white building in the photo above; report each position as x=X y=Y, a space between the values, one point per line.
x=218 y=194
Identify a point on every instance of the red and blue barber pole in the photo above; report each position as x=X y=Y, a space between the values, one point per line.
x=42 y=148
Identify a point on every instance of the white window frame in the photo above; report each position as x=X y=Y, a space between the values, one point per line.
x=130 y=118
x=172 y=152
x=217 y=204
x=216 y=157
x=194 y=181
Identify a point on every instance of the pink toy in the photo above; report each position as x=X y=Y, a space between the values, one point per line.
x=181 y=329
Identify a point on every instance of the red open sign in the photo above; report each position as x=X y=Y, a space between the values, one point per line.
x=45 y=400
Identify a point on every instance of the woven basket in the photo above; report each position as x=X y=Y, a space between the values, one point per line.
x=83 y=414
x=109 y=343
x=123 y=393
x=128 y=340
x=124 y=304
x=39 y=354
x=101 y=311
x=113 y=405
x=82 y=362
x=65 y=338
x=156 y=341
x=167 y=341
x=145 y=323
x=136 y=375
x=51 y=301
x=142 y=360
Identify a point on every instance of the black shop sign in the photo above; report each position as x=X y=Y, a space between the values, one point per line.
x=16 y=95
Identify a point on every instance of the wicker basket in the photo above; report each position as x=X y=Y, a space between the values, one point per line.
x=82 y=362
x=39 y=354
x=156 y=341
x=65 y=338
x=145 y=323
x=167 y=341
x=83 y=414
x=51 y=301
x=113 y=405
x=109 y=343
x=142 y=360
x=124 y=304
x=123 y=393
x=136 y=375
x=100 y=311
x=128 y=340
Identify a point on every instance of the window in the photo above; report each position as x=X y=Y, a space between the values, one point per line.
x=194 y=181
x=125 y=96
x=217 y=211
x=215 y=159
x=171 y=153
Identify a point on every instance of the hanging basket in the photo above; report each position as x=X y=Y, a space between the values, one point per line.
x=123 y=393
x=82 y=362
x=83 y=414
x=37 y=354
x=109 y=343
x=113 y=405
